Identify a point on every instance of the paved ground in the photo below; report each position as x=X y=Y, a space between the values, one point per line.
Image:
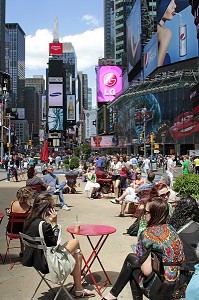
x=20 y=282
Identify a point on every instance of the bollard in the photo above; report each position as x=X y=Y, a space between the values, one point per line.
x=8 y=176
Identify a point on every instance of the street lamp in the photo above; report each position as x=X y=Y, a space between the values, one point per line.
x=3 y=94
x=144 y=128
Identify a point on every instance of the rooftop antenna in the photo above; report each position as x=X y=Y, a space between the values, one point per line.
x=56 y=33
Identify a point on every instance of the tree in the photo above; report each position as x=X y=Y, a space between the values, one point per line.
x=86 y=150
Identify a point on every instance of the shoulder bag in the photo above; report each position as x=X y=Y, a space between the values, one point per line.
x=60 y=262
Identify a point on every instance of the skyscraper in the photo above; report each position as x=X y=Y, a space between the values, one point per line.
x=17 y=63
x=70 y=63
x=2 y=35
x=109 y=29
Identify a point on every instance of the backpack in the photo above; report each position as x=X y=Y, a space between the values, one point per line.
x=133 y=229
x=190 y=167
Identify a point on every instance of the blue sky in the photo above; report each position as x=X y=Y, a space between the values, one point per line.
x=80 y=22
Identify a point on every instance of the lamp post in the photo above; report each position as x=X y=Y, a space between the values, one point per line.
x=3 y=94
x=163 y=136
x=144 y=129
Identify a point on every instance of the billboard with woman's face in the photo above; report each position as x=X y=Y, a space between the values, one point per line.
x=176 y=37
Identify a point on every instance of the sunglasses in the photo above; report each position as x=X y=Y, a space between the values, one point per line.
x=165 y=195
x=138 y=173
x=146 y=212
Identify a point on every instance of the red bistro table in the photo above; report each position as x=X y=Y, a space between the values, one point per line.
x=1 y=218
x=103 y=232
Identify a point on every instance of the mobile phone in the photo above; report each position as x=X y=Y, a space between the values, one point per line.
x=48 y=210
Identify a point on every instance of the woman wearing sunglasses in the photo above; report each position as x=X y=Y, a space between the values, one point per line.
x=158 y=238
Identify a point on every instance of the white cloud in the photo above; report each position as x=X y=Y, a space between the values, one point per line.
x=88 y=45
x=91 y=20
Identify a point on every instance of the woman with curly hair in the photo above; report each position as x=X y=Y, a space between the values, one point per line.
x=184 y=220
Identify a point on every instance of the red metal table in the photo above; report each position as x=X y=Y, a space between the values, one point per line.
x=1 y=218
x=90 y=230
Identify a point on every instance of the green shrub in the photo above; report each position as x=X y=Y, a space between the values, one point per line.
x=187 y=184
x=66 y=161
x=74 y=161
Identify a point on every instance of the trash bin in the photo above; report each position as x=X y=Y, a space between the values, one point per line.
x=153 y=166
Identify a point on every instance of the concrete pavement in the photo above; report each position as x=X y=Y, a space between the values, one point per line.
x=20 y=282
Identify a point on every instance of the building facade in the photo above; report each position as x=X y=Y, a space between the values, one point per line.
x=2 y=35
x=109 y=29
x=17 y=63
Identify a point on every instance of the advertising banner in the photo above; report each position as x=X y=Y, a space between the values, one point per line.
x=41 y=135
x=105 y=141
x=134 y=31
x=55 y=119
x=177 y=34
x=70 y=108
x=151 y=56
x=43 y=108
x=55 y=49
x=109 y=83
x=55 y=95
x=90 y=123
x=194 y=101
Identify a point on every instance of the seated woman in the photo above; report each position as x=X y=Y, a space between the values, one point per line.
x=34 y=181
x=192 y=291
x=158 y=238
x=20 y=205
x=42 y=210
x=91 y=186
x=138 y=179
x=185 y=221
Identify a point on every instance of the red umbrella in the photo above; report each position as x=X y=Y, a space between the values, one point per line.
x=44 y=154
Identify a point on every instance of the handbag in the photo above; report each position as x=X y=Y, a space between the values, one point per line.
x=60 y=262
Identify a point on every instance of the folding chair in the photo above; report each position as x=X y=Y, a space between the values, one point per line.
x=38 y=243
x=13 y=219
x=1 y=218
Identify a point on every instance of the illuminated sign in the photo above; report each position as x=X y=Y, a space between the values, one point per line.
x=55 y=94
x=70 y=107
x=109 y=83
x=55 y=49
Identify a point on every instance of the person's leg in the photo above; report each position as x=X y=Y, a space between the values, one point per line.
x=117 y=182
x=74 y=248
x=131 y=263
x=61 y=198
x=123 y=207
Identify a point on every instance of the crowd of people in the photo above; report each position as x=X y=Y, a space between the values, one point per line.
x=164 y=259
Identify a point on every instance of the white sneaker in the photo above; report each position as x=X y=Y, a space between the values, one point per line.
x=115 y=201
x=65 y=207
x=56 y=191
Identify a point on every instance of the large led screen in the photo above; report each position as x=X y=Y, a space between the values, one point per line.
x=151 y=56
x=134 y=30
x=177 y=35
x=105 y=141
x=70 y=107
x=109 y=83
x=55 y=119
x=55 y=96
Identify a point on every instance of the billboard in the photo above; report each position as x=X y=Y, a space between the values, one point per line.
x=90 y=123
x=105 y=141
x=109 y=83
x=55 y=49
x=70 y=108
x=43 y=108
x=1 y=113
x=194 y=101
x=55 y=119
x=177 y=33
x=55 y=94
x=134 y=31
x=151 y=56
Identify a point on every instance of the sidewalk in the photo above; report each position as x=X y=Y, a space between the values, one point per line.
x=20 y=282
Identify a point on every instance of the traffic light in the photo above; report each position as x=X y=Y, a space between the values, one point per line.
x=151 y=138
x=9 y=145
x=30 y=143
x=141 y=136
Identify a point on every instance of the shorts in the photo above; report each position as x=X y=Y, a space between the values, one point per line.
x=115 y=177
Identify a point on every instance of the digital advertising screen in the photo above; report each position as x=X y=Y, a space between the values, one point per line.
x=105 y=141
x=109 y=84
x=43 y=108
x=151 y=56
x=55 y=48
x=177 y=34
x=55 y=94
x=134 y=31
x=55 y=119
x=70 y=107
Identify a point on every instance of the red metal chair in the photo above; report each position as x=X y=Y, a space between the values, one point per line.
x=35 y=187
x=14 y=218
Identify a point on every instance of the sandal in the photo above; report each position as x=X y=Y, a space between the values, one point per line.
x=84 y=293
x=120 y=215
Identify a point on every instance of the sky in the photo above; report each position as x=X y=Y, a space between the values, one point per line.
x=79 y=21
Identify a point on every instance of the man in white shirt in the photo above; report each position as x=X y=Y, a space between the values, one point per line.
x=146 y=165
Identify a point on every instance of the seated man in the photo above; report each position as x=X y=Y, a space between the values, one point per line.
x=52 y=181
x=146 y=187
x=34 y=180
x=99 y=173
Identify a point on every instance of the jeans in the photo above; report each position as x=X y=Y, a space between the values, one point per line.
x=60 y=187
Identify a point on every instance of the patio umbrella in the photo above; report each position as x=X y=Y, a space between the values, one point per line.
x=44 y=155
